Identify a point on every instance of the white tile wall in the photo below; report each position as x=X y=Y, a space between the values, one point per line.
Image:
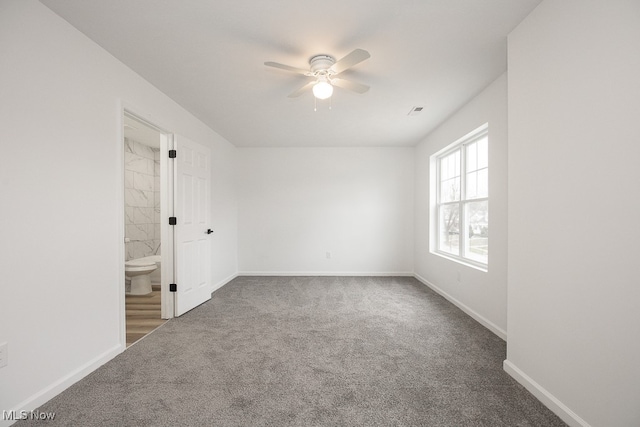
x=142 y=199
x=128 y=179
x=142 y=215
x=136 y=163
x=128 y=215
x=138 y=198
x=143 y=181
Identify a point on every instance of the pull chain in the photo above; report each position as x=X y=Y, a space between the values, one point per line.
x=315 y=103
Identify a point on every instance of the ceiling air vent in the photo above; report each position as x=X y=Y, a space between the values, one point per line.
x=415 y=111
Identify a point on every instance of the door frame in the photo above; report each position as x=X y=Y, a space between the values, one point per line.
x=166 y=209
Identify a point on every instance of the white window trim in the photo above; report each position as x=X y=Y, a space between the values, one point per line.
x=459 y=144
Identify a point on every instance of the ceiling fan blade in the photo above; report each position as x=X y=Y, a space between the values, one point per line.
x=286 y=67
x=298 y=92
x=350 y=60
x=349 y=85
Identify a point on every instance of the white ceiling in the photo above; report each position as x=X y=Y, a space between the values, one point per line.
x=208 y=56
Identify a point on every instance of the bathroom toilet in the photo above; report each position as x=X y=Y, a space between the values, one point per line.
x=139 y=271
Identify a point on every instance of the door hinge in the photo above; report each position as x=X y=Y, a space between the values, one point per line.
x=173 y=220
x=173 y=287
x=173 y=154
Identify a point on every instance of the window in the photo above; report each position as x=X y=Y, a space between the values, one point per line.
x=461 y=208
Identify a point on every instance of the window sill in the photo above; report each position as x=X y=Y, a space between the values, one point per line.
x=468 y=263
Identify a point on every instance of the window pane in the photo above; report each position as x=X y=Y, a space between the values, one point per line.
x=477 y=236
x=478 y=184
x=483 y=152
x=444 y=170
x=483 y=183
x=472 y=185
x=450 y=190
x=449 y=217
x=472 y=157
x=450 y=166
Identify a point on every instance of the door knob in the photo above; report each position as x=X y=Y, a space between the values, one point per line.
x=209 y=231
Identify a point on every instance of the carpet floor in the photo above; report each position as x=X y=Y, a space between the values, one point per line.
x=308 y=351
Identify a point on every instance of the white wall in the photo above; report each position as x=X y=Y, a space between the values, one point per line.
x=481 y=294
x=295 y=204
x=224 y=253
x=574 y=287
x=61 y=219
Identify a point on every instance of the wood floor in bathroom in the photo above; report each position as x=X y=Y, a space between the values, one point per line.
x=143 y=314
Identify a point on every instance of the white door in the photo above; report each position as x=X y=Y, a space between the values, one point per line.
x=192 y=174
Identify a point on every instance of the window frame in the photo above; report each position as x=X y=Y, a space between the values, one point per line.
x=463 y=200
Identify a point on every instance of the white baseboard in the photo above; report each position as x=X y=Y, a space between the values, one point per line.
x=549 y=400
x=49 y=392
x=475 y=315
x=223 y=282
x=328 y=273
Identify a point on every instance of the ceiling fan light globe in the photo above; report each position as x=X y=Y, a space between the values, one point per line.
x=322 y=90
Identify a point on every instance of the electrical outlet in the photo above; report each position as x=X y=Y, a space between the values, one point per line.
x=328 y=255
x=4 y=354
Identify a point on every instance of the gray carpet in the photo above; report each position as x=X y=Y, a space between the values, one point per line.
x=308 y=351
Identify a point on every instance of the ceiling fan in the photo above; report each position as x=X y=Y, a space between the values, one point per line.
x=324 y=69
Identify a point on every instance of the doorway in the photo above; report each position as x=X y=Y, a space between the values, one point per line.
x=167 y=220
x=144 y=190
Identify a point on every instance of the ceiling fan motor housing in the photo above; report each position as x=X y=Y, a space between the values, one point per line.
x=321 y=63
